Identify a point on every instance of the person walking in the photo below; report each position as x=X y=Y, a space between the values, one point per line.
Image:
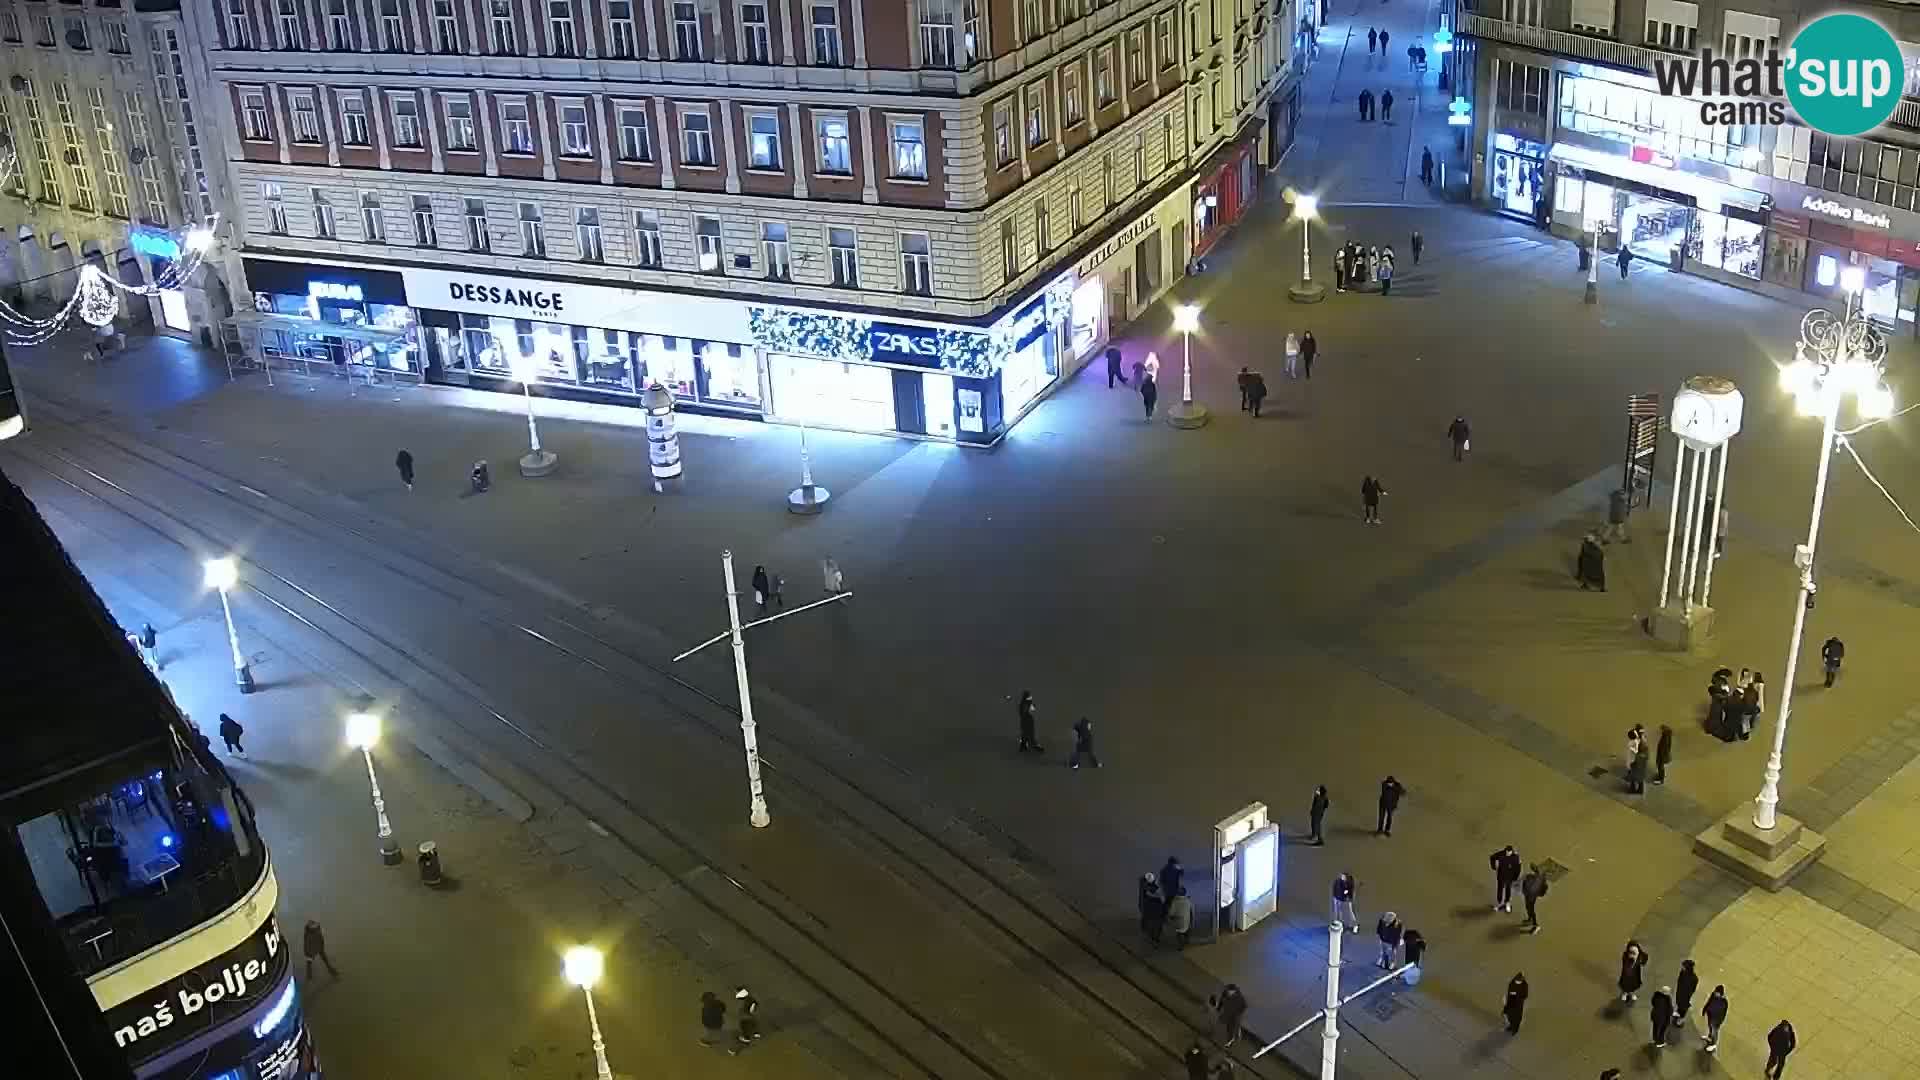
x=1114 y=374
x=1386 y=103
x=1152 y=366
x=834 y=580
x=1618 y=508
x=1344 y=889
x=403 y=462
x=747 y=1008
x=1532 y=888
x=1153 y=908
x=1083 y=744
x=1506 y=873
x=1684 y=987
x=1195 y=1059
x=1389 y=929
x=713 y=1018
x=1417 y=242
x=1257 y=393
x=1590 y=566
x=1170 y=877
x=1245 y=381
x=1139 y=371
x=1461 y=436
x=1390 y=792
x=1373 y=41
x=1361 y=101
x=1373 y=265
x=1516 y=1007
x=1626 y=258
x=1230 y=1008
x=1308 y=347
x=779 y=594
x=150 y=645
x=1370 y=492
x=1426 y=177
x=1180 y=916
x=1831 y=654
x=230 y=733
x=1029 y=742
x=1149 y=394
x=1661 y=1010
x=1662 y=754
x=761 y=587
x=1714 y=1012
x=1384 y=38
x=1293 y=355
x=1633 y=967
x=1780 y=1044
x=1316 y=814
x=313 y=942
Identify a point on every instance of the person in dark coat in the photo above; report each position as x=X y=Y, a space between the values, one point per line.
x=1390 y=930
x=1590 y=567
x=1308 y=347
x=1661 y=1010
x=1386 y=102
x=1245 y=382
x=1461 y=436
x=761 y=588
x=1662 y=754
x=1149 y=394
x=713 y=1018
x=1029 y=742
x=1316 y=814
x=1506 y=873
x=1195 y=1059
x=1366 y=103
x=1516 y=1007
x=1418 y=243
x=1370 y=492
x=314 y=944
x=1083 y=744
x=748 y=1031
x=1532 y=888
x=230 y=733
x=1780 y=1043
x=1831 y=654
x=1230 y=1006
x=1256 y=392
x=1390 y=792
x=1426 y=177
x=1637 y=772
x=1633 y=966
x=1626 y=258
x=1139 y=371
x=1714 y=1012
x=1171 y=875
x=1114 y=374
x=1413 y=948
x=1720 y=722
x=403 y=461
x=1384 y=38
x=1153 y=908
x=1684 y=988
x=1373 y=41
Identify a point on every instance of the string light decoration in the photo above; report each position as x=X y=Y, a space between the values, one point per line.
x=96 y=300
x=98 y=303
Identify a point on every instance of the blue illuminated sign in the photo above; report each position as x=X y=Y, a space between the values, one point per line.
x=1462 y=111
x=334 y=290
x=903 y=343
x=154 y=243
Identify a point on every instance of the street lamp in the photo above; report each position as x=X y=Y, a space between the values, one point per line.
x=583 y=965
x=1306 y=207
x=809 y=498
x=536 y=461
x=363 y=731
x=223 y=574
x=1836 y=357
x=1189 y=413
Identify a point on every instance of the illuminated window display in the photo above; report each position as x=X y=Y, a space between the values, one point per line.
x=1727 y=243
x=858 y=397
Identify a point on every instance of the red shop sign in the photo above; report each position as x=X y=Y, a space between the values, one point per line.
x=1789 y=223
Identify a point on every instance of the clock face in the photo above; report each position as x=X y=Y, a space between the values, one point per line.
x=1694 y=416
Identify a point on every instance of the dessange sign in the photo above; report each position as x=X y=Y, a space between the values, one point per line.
x=594 y=306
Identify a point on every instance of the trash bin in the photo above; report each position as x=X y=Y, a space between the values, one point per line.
x=429 y=863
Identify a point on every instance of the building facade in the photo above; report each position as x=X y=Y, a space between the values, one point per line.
x=911 y=216
x=1571 y=131
x=103 y=157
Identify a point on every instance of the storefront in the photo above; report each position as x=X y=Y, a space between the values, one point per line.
x=1516 y=178
x=1662 y=211
x=1828 y=235
x=1124 y=275
x=1227 y=186
x=327 y=315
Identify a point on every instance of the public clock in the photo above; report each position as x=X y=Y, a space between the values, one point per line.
x=1707 y=411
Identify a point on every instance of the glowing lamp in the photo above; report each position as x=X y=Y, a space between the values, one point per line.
x=583 y=965
x=1306 y=206
x=222 y=573
x=1853 y=279
x=363 y=731
x=1186 y=318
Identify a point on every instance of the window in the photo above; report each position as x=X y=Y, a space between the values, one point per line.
x=826 y=35
x=646 y=238
x=1139 y=160
x=706 y=238
x=969 y=32
x=459 y=123
x=1032 y=24
x=406 y=120
x=373 y=223
x=1072 y=109
x=1075 y=218
x=836 y=152
x=446 y=28
x=909 y=148
x=936 y=33
x=353 y=119
x=500 y=38
x=117 y=40
x=43 y=32
x=1524 y=12
x=138 y=134
x=773 y=245
x=623 y=41
x=916 y=264
x=239 y=25
x=276 y=209
x=586 y=232
x=635 y=143
x=763 y=141
x=424 y=233
x=756 y=45
x=392 y=37
x=324 y=225
x=843 y=245
x=293 y=33
x=1036 y=114
x=1103 y=77
x=339 y=30
x=573 y=131
x=696 y=137
x=516 y=129
x=306 y=116
x=1671 y=24
x=560 y=27
x=1193 y=30
x=1107 y=177
x=477 y=236
x=1009 y=250
x=1002 y=135
x=254 y=125
x=533 y=236
x=686 y=31
x=1042 y=227
x=77 y=33
x=1163 y=41
x=1166 y=141
x=9 y=24
x=1136 y=59
x=110 y=155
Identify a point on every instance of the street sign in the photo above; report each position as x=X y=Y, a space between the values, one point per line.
x=1643 y=448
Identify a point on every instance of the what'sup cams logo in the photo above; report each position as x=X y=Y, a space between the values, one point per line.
x=1842 y=74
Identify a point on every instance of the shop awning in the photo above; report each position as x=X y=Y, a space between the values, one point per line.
x=1708 y=193
x=298 y=324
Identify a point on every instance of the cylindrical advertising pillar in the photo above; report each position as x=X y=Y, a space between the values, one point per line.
x=663 y=442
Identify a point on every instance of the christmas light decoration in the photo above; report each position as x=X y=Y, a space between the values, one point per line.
x=98 y=303
x=95 y=299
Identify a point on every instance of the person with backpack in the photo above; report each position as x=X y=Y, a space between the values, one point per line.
x=1532 y=888
x=403 y=461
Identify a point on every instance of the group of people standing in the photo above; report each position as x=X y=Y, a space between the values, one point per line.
x=1356 y=266
x=1639 y=752
x=1165 y=905
x=1384 y=105
x=1733 y=708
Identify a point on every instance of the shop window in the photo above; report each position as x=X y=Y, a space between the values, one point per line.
x=478 y=239
x=533 y=235
x=916 y=264
x=755 y=40
x=646 y=238
x=707 y=246
x=733 y=376
x=858 y=397
x=842 y=244
x=606 y=359
x=668 y=361
x=774 y=250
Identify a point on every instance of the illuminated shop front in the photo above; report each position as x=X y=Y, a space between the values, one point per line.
x=1124 y=274
x=1666 y=214
x=1228 y=184
x=345 y=317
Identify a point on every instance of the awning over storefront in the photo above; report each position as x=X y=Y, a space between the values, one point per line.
x=257 y=321
x=1710 y=195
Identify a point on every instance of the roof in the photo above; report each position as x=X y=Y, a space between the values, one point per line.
x=77 y=702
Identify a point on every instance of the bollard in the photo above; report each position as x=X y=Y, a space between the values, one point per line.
x=429 y=864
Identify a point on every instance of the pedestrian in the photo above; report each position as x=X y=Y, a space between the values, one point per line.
x=1390 y=792
x=1370 y=492
x=1590 y=567
x=1418 y=243
x=1661 y=1009
x=1461 y=436
x=1362 y=102
x=1245 y=381
x=1386 y=274
x=1721 y=526
x=1344 y=889
x=1139 y=372
x=1257 y=393
x=1532 y=888
x=1715 y=1014
x=1083 y=743
x=1619 y=506
x=1752 y=704
x=1684 y=988
x=1230 y=1006
x=1340 y=268
x=1626 y=259
x=1516 y=1007
x=1662 y=754
x=713 y=1018
x=1170 y=878
x=1113 y=368
x=1780 y=1044
x=1308 y=347
x=1149 y=394
x=748 y=1009
x=1153 y=908
x=150 y=645
x=1373 y=40
x=1506 y=872
x=761 y=587
x=403 y=461
x=1426 y=177
x=1637 y=772
x=1316 y=814
x=1386 y=103
x=1413 y=954
x=1635 y=736
x=1293 y=355
x=1152 y=366
x=1180 y=916
x=1028 y=741
x=230 y=733
x=1412 y=58
x=1633 y=966
x=1831 y=654
x=779 y=593
x=835 y=581
x=1195 y=1060
x=1384 y=38
x=1390 y=930
x=314 y=943
x=1373 y=264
